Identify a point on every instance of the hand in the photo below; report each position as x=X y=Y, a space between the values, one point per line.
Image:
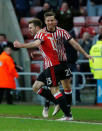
x=17 y=44
x=90 y=57
x=32 y=54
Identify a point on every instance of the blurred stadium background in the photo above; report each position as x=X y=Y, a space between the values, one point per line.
x=15 y=27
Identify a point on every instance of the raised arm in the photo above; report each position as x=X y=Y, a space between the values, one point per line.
x=79 y=48
x=33 y=44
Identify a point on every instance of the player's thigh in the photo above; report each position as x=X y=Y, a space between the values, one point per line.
x=41 y=81
x=63 y=72
x=66 y=84
x=51 y=78
x=37 y=85
x=54 y=90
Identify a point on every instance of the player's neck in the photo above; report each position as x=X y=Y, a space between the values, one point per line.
x=37 y=31
x=51 y=29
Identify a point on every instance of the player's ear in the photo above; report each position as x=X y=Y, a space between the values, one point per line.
x=45 y=21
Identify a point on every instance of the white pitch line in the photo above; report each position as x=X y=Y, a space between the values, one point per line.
x=25 y=118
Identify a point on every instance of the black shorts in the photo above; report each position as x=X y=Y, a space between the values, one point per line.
x=53 y=75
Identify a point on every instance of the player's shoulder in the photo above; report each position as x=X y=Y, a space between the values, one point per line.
x=44 y=28
x=60 y=29
x=39 y=34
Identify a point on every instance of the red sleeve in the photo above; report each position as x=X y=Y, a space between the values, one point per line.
x=39 y=36
x=67 y=36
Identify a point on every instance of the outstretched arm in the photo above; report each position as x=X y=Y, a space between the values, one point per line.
x=79 y=48
x=36 y=43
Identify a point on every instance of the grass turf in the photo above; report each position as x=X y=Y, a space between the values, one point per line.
x=43 y=125
x=32 y=111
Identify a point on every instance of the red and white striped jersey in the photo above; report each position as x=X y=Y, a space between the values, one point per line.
x=48 y=49
x=59 y=36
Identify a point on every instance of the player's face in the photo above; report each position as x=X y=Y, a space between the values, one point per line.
x=9 y=51
x=32 y=28
x=50 y=22
x=2 y=39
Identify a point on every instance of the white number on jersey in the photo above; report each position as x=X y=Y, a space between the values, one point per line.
x=49 y=81
x=53 y=43
x=68 y=72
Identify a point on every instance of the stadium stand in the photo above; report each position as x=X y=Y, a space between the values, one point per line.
x=89 y=24
x=92 y=20
x=35 y=68
x=79 y=21
x=34 y=10
x=24 y=21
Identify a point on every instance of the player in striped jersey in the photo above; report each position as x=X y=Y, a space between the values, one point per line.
x=54 y=71
x=60 y=35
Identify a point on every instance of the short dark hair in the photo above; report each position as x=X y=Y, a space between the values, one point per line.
x=36 y=22
x=7 y=46
x=4 y=35
x=100 y=37
x=49 y=14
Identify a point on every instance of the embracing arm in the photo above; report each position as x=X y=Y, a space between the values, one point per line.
x=33 y=44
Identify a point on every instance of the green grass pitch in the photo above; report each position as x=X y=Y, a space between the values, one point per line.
x=29 y=118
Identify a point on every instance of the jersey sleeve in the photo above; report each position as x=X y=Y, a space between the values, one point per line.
x=67 y=36
x=39 y=36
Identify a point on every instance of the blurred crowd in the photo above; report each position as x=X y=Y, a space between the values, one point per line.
x=24 y=7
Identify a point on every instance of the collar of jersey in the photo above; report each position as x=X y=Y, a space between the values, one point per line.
x=51 y=31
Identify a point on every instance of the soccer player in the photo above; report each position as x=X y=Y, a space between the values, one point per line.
x=54 y=71
x=60 y=35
